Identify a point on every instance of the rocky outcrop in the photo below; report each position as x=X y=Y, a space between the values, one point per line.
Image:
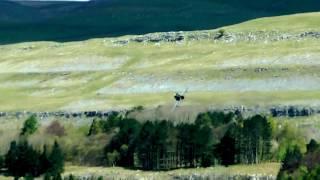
x=160 y=37
x=276 y=111
x=292 y=111
x=61 y=114
x=219 y=36
x=310 y=35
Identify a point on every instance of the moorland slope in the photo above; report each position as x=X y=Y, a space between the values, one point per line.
x=261 y=62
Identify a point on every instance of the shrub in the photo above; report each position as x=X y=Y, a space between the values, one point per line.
x=30 y=126
x=292 y=159
x=113 y=158
x=312 y=146
x=220 y=34
x=56 y=129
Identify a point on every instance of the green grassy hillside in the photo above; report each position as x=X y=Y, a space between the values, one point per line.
x=262 y=62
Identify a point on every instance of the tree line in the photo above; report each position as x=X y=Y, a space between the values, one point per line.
x=214 y=138
x=298 y=165
x=154 y=145
x=22 y=160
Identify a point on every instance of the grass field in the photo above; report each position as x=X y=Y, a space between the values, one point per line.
x=267 y=169
x=100 y=74
x=116 y=173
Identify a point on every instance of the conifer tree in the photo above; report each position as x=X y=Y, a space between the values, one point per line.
x=56 y=160
x=11 y=160
x=126 y=138
x=22 y=160
x=145 y=146
x=94 y=128
x=226 y=149
x=44 y=160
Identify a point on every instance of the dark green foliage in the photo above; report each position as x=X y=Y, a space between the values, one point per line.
x=214 y=137
x=226 y=149
x=292 y=159
x=186 y=144
x=254 y=140
x=28 y=177
x=220 y=34
x=214 y=118
x=162 y=145
x=135 y=109
x=11 y=159
x=138 y=108
x=71 y=177
x=204 y=140
x=156 y=141
x=22 y=155
x=1 y=162
x=287 y=137
x=313 y=174
x=47 y=177
x=95 y=128
x=145 y=145
x=190 y=145
x=44 y=161
x=290 y=163
x=195 y=142
x=204 y=145
x=99 y=125
x=248 y=141
x=207 y=159
x=301 y=166
x=112 y=122
x=56 y=161
x=30 y=126
x=312 y=146
x=56 y=177
x=312 y=158
x=113 y=157
x=23 y=161
x=125 y=141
